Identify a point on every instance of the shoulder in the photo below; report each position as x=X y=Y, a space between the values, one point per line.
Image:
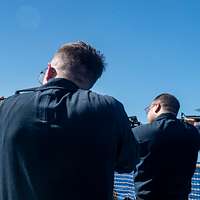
x=87 y=102
x=191 y=129
x=189 y=126
x=99 y=106
x=97 y=99
x=145 y=132
x=193 y=134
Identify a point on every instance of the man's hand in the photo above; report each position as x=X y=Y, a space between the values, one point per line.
x=190 y=120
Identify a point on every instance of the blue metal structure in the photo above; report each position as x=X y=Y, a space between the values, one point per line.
x=195 y=193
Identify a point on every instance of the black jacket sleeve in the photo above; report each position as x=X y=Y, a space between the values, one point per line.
x=127 y=151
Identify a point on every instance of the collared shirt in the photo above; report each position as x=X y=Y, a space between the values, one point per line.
x=59 y=142
x=168 y=150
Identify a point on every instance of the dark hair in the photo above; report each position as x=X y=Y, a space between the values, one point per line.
x=82 y=59
x=169 y=102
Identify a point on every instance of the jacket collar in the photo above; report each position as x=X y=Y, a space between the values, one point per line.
x=60 y=82
x=55 y=83
x=166 y=116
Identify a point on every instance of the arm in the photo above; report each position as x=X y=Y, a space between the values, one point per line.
x=127 y=152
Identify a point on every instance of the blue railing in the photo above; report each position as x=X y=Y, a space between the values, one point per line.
x=195 y=193
x=124 y=187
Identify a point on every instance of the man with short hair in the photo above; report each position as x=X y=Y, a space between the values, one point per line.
x=61 y=140
x=168 y=150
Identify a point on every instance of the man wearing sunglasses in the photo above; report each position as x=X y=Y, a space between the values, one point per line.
x=168 y=150
x=62 y=141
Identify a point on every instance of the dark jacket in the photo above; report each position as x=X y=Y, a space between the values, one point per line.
x=58 y=142
x=168 y=151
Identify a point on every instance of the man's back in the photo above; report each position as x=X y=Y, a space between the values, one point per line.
x=59 y=142
x=168 y=154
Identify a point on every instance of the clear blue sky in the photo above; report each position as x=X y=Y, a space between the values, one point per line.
x=150 y=46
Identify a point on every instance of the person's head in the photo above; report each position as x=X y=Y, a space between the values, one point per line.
x=163 y=103
x=77 y=62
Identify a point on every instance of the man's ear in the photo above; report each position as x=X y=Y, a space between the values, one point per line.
x=157 y=107
x=50 y=73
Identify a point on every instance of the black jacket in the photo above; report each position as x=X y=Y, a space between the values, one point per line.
x=168 y=151
x=58 y=142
